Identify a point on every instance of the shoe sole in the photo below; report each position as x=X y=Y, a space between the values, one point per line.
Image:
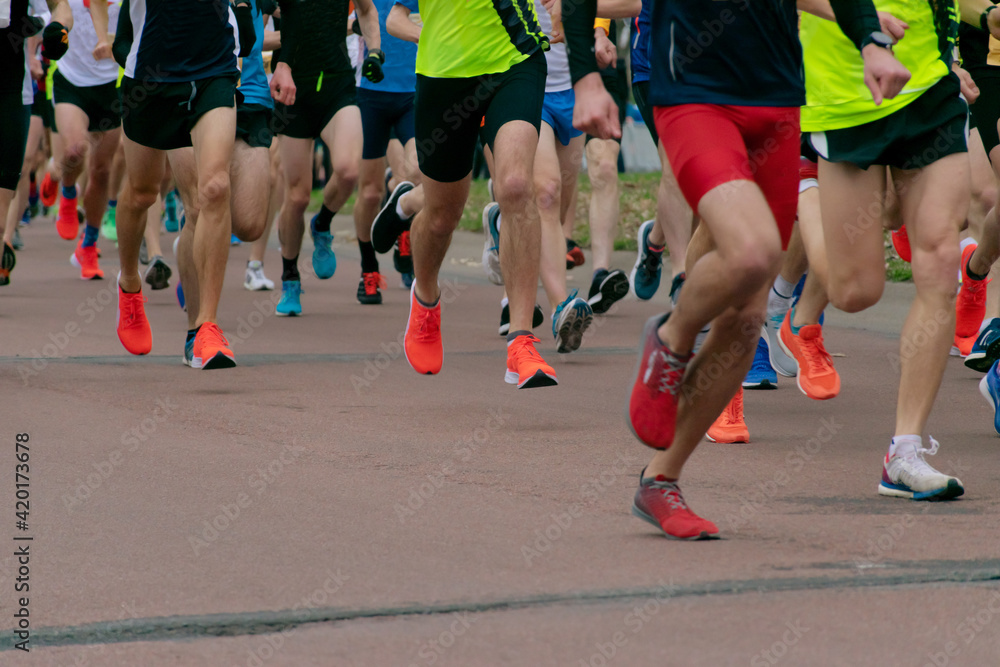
x=378 y=242
x=761 y=384
x=251 y=288
x=984 y=389
x=158 y=277
x=570 y=334
x=952 y=490
x=220 y=360
x=405 y=353
x=728 y=442
x=370 y=301
x=772 y=346
x=613 y=289
x=652 y=324
x=983 y=361
x=539 y=379
x=703 y=535
x=76 y=263
x=293 y=313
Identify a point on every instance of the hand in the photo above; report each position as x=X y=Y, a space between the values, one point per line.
x=371 y=68
x=282 y=85
x=554 y=8
x=595 y=112
x=892 y=26
x=884 y=75
x=970 y=91
x=55 y=40
x=35 y=67
x=102 y=51
x=604 y=49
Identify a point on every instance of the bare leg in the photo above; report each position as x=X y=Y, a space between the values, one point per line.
x=142 y=185
x=602 y=165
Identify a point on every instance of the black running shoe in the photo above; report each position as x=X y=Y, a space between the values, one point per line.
x=7 y=262
x=676 y=285
x=370 y=288
x=536 y=319
x=607 y=288
x=158 y=274
x=388 y=225
x=402 y=259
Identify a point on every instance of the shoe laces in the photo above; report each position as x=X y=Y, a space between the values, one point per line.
x=665 y=372
x=522 y=348
x=373 y=281
x=428 y=324
x=671 y=494
x=404 y=244
x=974 y=291
x=761 y=362
x=652 y=262
x=733 y=414
x=212 y=335
x=818 y=359
x=131 y=308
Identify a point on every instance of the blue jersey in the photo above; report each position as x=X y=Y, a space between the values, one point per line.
x=180 y=40
x=639 y=33
x=400 y=57
x=253 y=81
x=738 y=52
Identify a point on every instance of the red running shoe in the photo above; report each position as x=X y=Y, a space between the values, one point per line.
x=85 y=259
x=659 y=372
x=901 y=242
x=211 y=349
x=68 y=221
x=661 y=503
x=49 y=191
x=422 y=344
x=970 y=306
x=574 y=255
x=133 y=327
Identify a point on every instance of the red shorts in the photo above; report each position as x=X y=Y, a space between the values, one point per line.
x=709 y=145
x=808 y=169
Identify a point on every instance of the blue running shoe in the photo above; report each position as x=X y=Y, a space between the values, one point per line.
x=571 y=319
x=989 y=387
x=234 y=240
x=324 y=261
x=180 y=297
x=986 y=349
x=645 y=278
x=189 y=351
x=26 y=218
x=290 y=304
x=761 y=375
x=170 y=220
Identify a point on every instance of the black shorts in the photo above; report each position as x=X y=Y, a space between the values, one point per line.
x=253 y=125
x=451 y=113
x=933 y=126
x=98 y=102
x=640 y=90
x=384 y=116
x=986 y=110
x=314 y=109
x=162 y=115
x=42 y=107
x=15 y=117
x=616 y=83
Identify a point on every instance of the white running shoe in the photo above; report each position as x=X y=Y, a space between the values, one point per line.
x=491 y=246
x=780 y=361
x=255 y=280
x=906 y=474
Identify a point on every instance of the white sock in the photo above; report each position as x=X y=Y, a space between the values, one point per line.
x=783 y=287
x=904 y=441
x=777 y=304
x=503 y=302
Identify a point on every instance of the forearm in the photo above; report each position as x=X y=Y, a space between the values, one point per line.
x=99 y=14
x=618 y=9
x=61 y=13
x=578 y=24
x=399 y=25
x=368 y=19
x=820 y=8
x=272 y=40
x=971 y=10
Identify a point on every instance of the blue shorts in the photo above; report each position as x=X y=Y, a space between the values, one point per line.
x=557 y=112
x=384 y=116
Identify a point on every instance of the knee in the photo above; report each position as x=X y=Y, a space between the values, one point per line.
x=213 y=190
x=440 y=219
x=347 y=175
x=548 y=193
x=935 y=268
x=74 y=154
x=515 y=190
x=142 y=198
x=370 y=195
x=296 y=199
x=755 y=264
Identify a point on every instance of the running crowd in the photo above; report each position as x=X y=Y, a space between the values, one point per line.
x=790 y=136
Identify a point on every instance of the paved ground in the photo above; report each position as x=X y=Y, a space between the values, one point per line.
x=324 y=505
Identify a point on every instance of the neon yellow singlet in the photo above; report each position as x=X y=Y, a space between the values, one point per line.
x=467 y=38
x=836 y=96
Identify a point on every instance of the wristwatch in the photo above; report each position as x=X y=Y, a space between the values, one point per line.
x=984 y=18
x=878 y=38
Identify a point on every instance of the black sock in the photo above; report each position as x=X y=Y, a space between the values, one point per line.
x=192 y=333
x=514 y=334
x=369 y=262
x=290 y=269
x=323 y=219
x=969 y=272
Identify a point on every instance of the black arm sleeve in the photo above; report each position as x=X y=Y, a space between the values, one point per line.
x=578 y=24
x=123 y=36
x=248 y=35
x=856 y=18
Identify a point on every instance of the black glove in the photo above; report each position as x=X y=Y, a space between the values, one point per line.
x=244 y=21
x=371 y=69
x=55 y=41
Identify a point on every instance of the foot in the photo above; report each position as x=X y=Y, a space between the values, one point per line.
x=180 y=297
x=574 y=255
x=606 y=289
x=675 y=287
x=780 y=361
x=761 y=374
x=188 y=358
x=962 y=346
x=370 y=288
x=171 y=221
x=406 y=280
x=133 y=327
x=109 y=228
x=653 y=403
x=255 y=280
x=525 y=367
x=388 y=226
x=491 y=246
x=989 y=387
x=16 y=242
x=901 y=242
x=234 y=240
x=645 y=277
x=569 y=322
x=211 y=349
x=49 y=191
x=402 y=258
x=144 y=253
x=730 y=427
x=85 y=259
x=815 y=374
x=68 y=220
x=970 y=306
x=422 y=343
x=661 y=503
x=906 y=474
x=158 y=274
x=7 y=262
x=986 y=350
x=324 y=261
x=536 y=319
x=290 y=304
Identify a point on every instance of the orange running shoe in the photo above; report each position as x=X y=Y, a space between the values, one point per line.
x=901 y=242
x=85 y=259
x=525 y=367
x=211 y=349
x=962 y=346
x=133 y=327
x=816 y=376
x=68 y=221
x=422 y=344
x=730 y=426
x=49 y=191
x=970 y=306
